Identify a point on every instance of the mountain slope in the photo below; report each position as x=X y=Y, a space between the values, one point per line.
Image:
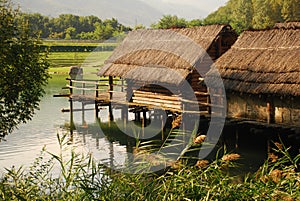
x=129 y=12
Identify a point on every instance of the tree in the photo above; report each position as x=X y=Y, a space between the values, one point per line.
x=139 y=26
x=242 y=15
x=263 y=14
x=195 y=23
x=70 y=33
x=291 y=10
x=258 y=14
x=170 y=21
x=222 y=16
x=23 y=70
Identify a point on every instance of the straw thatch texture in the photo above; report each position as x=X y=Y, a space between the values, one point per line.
x=288 y=25
x=262 y=62
x=166 y=56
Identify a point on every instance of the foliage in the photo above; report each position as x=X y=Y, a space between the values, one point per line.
x=170 y=21
x=258 y=14
x=23 y=70
x=139 y=26
x=79 y=177
x=69 y=26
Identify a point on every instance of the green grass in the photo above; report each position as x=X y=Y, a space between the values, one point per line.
x=91 y=62
x=77 y=43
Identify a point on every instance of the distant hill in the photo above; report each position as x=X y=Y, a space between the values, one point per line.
x=129 y=12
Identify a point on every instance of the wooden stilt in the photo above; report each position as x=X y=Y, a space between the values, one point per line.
x=145 y=117
x=143 y=128
x=137 y=116
x=236 y=139
x=124 y=116
x=72 y=125
x=82 y=106
x=96 y=104
x=111 y=88
x=162 y=126
x=111 y=155
x=208 y=101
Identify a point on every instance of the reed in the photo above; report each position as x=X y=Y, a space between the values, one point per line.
x=79 y=177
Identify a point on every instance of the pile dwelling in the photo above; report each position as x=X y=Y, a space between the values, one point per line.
x=162 y=68
x=261 y=75
x=157 y=69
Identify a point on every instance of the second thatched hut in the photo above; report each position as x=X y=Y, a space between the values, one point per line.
x=159 y=66
x=261 y=75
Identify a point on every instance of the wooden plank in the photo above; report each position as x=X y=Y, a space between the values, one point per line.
x=158 y=105
x=157 y=100
x=61 y=95
x=77 y=110
x=156 y=95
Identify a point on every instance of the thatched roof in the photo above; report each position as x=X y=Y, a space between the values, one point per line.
x=262 y=62
x=166 y=56
x=288 y=25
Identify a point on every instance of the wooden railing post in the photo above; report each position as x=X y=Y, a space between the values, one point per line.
x=82 y=104
x=72 y=126
x=96 y=100
x=270 y=112
x=122 y=82
x=111 y=88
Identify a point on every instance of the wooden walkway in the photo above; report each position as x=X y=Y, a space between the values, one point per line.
x=113 y=94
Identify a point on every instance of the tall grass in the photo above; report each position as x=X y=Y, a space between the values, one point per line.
x=79 y=177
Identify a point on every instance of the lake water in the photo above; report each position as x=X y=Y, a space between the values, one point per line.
x=24 y=144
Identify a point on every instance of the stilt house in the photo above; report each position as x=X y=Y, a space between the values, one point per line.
x=261 y=75
x=158 y=65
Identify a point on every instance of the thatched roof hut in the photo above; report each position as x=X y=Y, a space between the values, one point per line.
x=263 y=62
x=156 y=55
x=288 y=25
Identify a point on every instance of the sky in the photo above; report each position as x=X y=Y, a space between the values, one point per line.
x=189 y=9
x=129 y=12
x=205 y=5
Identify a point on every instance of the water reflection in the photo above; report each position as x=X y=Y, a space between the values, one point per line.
x=24 y=145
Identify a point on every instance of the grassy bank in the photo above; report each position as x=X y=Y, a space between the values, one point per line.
x=82 y=178
x=90 y=61
x=77 y=43
x=67 y=59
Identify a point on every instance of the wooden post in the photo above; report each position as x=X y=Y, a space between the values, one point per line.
x=236 y=138
x=82 y=105
x=270 y=112
x=111 y=88
x=111 y=155
x=122 y=88
x=72 y=125
x=137 y=116
x=124 y=116
x=145 y=117
x=96 y=101
x=208 y=102
x=162 y=126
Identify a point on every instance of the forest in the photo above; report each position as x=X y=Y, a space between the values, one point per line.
x=255 y=14
x=240 y=14
x=69 y=26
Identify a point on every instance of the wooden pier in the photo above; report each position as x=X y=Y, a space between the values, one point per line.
x=112 y=93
